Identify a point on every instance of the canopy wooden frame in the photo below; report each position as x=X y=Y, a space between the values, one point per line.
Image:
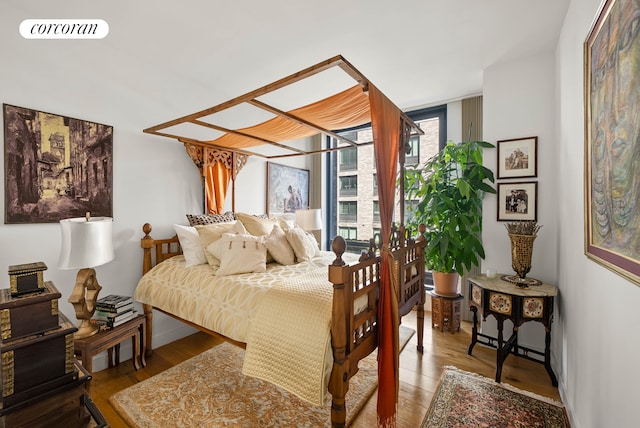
x=251 y=98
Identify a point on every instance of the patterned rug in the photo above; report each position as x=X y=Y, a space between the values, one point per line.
x=466 y=399
x=209 y=390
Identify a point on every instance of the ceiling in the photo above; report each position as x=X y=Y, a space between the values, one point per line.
x=190 y=55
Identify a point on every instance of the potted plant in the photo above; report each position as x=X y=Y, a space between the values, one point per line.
x=449 y=188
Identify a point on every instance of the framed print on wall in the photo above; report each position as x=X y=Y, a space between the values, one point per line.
x=517 y=158
x=287 y=189
x=56 y=167
x=517 y=201
x=612 y=138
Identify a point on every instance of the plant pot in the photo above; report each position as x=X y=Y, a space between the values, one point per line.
x=445 y=283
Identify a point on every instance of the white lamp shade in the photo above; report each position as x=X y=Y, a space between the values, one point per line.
x=309 y=219
x=86 y=243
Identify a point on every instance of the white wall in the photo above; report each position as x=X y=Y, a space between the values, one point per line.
x=519 y=102
x=598 y=309
x=595 y=346
x=153 y=178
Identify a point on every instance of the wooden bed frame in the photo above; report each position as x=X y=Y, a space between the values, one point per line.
x=353 y=337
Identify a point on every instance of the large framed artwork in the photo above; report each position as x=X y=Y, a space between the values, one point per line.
x=287 y=189
x=517 y=201
x=517 y=158
x=612 y=138
x=56 y=167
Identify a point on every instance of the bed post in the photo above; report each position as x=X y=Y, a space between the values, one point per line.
x=339 y=382
x=147 y=243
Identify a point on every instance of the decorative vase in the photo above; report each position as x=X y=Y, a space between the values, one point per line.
x=522 y=234
x=521 y=252
x=445 y=283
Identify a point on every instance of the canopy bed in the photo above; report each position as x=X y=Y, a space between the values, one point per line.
x=369 y=294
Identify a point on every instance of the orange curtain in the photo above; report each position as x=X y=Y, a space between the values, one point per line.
x=385 y=121
x=216 y=184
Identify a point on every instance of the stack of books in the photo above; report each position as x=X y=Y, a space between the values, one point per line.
x=114 y=310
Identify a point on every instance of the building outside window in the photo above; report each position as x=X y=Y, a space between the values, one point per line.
x=355 y=198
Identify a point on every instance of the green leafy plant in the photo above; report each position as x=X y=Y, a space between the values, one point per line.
x=450 y=187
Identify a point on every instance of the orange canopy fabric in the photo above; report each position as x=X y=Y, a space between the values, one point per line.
x=346 y=109
x=216 y=184
x=386 y=136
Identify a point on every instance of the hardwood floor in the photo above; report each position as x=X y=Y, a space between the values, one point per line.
x=419 y=373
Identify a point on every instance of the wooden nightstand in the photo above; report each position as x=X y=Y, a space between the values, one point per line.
x=110 y=340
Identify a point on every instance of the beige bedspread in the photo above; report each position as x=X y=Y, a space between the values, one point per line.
x=289 y=340
x=224 y=304
x=293 y=305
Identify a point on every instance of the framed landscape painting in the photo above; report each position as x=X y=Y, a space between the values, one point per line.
x=287 y=189
x=612 y=138
x=56 y=167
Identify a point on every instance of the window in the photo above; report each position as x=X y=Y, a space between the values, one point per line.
x=349 y=185
x=413 y=157
x=349 y=159
x=352 y=188
x=350 y=233
x=348 y=212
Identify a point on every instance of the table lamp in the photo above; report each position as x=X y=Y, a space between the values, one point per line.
x=87 y=242
x=310 y=219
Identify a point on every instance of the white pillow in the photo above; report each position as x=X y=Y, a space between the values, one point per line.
x=256 y=225
x=311 y=237
x=239 y=253
x=303 y=248
x=190 y=243
x=279 y=247
x=210 y=233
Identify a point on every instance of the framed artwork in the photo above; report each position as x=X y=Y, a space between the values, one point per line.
x=56 y=167
x=612 y=138
x=517 y=158
x=287 y=189
x=517 y=201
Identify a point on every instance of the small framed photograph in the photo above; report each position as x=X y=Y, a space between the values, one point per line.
x=517 y=201
x=517 y=158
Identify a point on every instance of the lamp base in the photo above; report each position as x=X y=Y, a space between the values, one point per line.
x=86 y=329
x=84 y=298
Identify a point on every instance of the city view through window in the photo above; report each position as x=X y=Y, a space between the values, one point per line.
x=357 y=208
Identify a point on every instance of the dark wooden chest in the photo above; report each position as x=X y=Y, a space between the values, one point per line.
x=28 y=314
x=67 y=406
x=35 y=364
x=26 y=278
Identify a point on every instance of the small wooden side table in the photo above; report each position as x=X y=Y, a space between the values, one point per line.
x=110 y=340
x=506 y=301
x=445 y=312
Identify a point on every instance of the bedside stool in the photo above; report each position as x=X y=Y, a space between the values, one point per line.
x=445 y=312
x=108 y=340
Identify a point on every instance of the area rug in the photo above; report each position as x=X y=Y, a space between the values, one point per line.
x=465 y=399
x=209 y=390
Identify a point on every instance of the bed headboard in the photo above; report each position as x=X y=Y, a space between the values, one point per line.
x=164 y=249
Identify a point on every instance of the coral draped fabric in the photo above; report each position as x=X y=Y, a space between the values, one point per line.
x=385 y=121
x=217 y=182
x=343 y=110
